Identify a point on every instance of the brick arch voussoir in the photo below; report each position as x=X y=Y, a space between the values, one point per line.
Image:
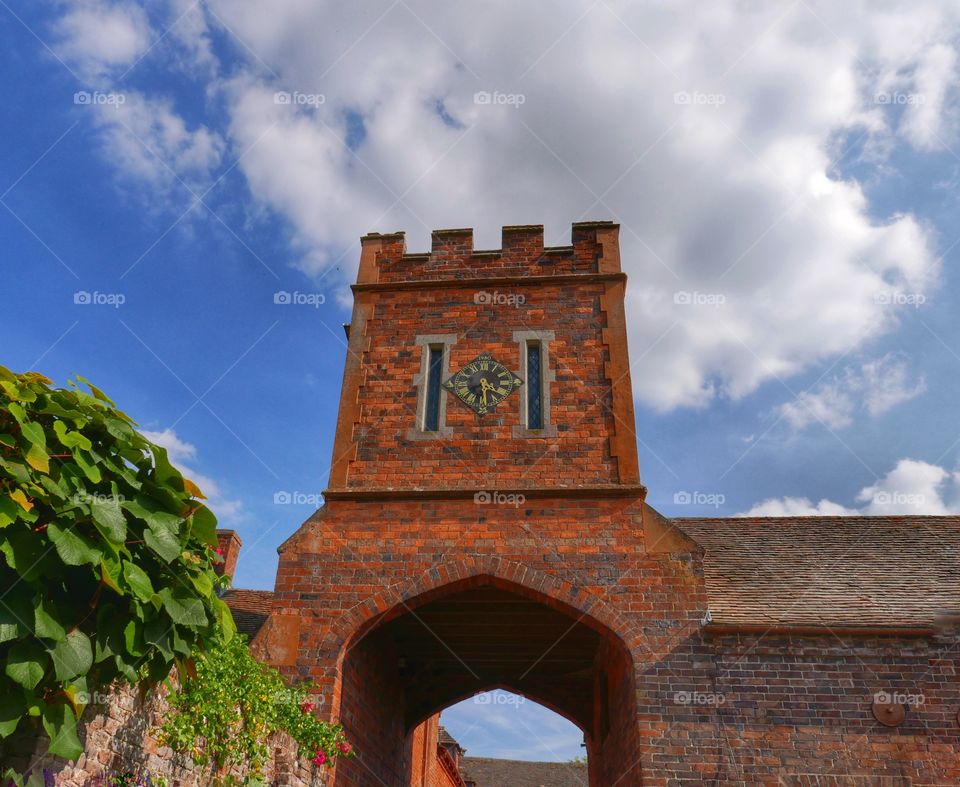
x=413 y=591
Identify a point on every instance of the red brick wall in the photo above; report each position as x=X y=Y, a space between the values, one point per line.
x=799 y=706
x=576 y=293
x=423 y=752
x=357 y=559
x=452 y=255
x=427 y=770
x=373 y=719
x=118 y=733
x=582 y=542
x=484 y=447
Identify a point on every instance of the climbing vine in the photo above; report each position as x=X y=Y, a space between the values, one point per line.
x=107 y=557
x=224 y=713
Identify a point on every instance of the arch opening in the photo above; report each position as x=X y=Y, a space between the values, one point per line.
x=499 y=724
x=407 y=664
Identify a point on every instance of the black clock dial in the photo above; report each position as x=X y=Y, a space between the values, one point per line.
x=482 y=384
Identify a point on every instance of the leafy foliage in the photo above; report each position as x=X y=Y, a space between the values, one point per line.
x=106 y=557
x=225 y=713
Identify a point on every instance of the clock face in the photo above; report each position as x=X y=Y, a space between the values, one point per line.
x=482 y=384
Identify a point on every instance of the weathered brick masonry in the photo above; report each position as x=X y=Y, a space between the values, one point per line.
x=407 y=591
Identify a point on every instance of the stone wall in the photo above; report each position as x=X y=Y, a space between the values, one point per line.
x=118 y=731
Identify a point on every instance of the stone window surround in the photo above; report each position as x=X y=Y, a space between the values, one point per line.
x=548 y=376
x=425 y=341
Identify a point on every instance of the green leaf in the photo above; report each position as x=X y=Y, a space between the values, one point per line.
x=26 y=663
x=90 y=470
x=180 y=645
x=203 y=583
x=11 y=390
x=47 y=620
x=110 y=572
x=151 y=512
x=60 y=724
x=157 y=632
x=165 y=471
x=133 y=638
x=9 y=626
x=38 y=459
x=26 y=554
x=16 y=470
x=128 y=672
x=70 y=438
x=16 y=612
x=9 y=511
x=58 y=489
x=182 y=607
x=163 y=542
x=96 y=391
x=137 y=580
x=34 y=433
x=204 y=526
x=108 y=518
x=228 y=626
x=74 y=548
x=119 y=429
x=12 y=708
x=72 y=656
x=108 y=636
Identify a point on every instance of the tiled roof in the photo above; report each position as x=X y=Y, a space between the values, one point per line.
x=486 y=772
x=250 y=608
x=444 y=738
x=833 y=571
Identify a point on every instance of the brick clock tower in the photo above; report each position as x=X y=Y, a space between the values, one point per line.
x=484 y=527
x=483 y=524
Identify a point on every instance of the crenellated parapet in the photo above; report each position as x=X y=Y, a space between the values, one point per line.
x=593 y=249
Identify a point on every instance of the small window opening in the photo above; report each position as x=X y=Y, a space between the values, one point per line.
x=431 y=419
x=534 y=386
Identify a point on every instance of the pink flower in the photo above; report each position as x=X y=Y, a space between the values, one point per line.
x=344 y=747
x=320 y=759
x=307 y=706
x=220 y=551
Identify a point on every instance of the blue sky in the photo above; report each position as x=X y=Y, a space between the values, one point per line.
x=786 y=179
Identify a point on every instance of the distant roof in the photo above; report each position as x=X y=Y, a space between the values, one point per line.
x=444 y=738
x=487 y=772
x=830 y=571
x=250 y=608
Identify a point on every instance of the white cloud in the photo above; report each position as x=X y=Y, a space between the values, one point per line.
x=912 y=487
x=149 y=143
x=874 y=386
x=739 y=199
x=99 y=36
x=731 y=189
x=178 y=452
x=887 y=383
x=798 y=506
x=927 y=121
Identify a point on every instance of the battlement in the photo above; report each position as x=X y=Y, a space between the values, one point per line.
x=594 y=249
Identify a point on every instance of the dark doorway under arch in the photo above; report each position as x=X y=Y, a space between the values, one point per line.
x=428 y=653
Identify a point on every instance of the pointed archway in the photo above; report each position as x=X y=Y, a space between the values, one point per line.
x=426 y=653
